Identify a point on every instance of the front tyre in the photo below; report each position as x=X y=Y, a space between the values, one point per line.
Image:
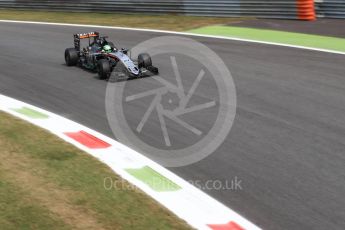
x=104 y=69
x=71 y=56
x=144 y=60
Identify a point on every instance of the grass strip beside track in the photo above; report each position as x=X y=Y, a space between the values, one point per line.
x=298 y=39
x=162 y=22
x=46 y=183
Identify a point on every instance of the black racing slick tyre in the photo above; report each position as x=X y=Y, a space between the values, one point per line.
x=104 y=69
x=144 y=60
x=71 y=56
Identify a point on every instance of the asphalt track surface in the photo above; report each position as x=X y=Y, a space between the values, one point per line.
x=287 y=144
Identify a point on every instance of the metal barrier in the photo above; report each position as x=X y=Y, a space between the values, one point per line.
x=290 y=9
x=221 y=8
x=331 y=8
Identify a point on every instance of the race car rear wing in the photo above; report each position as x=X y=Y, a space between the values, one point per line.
x=88 y=35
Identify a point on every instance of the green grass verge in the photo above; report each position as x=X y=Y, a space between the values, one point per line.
x=46 y=183
x=314 y=41
x=18 y=212
x=163 y=22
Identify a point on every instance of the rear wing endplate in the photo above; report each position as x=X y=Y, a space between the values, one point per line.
x=79 y=36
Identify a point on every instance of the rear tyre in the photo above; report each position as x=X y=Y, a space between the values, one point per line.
x=144 y=60
x=71 y=56
x=104 y=69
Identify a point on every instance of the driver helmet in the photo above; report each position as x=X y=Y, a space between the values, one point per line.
x=107 y=48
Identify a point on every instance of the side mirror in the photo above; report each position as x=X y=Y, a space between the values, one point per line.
x=125 y=51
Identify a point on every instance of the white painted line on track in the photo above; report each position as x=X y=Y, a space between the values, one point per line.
x=179 y=33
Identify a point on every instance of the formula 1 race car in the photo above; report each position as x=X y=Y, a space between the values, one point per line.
x=102 y=56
